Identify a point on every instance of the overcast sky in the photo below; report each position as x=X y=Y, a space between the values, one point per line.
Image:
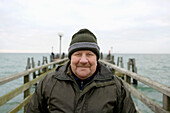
x=122 y=26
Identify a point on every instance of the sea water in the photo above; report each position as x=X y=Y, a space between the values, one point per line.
x=12 y=63
x=153 y=66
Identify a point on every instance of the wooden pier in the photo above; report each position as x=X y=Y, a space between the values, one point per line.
x=25 y=88
x=125 y=75
x=131 y=73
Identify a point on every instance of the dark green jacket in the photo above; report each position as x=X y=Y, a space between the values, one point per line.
x=58 y=92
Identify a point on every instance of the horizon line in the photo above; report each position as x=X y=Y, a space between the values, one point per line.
x=67 y=53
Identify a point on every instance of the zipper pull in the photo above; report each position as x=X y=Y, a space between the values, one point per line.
x=81 y=84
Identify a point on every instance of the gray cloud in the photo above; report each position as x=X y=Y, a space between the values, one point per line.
x=128 y=26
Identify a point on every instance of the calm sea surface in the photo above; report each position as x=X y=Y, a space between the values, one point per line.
x=153 y=66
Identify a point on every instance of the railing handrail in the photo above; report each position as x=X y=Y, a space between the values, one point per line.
x=5 y=98
x=28 y=71
x=154 y=84
x=155 y=107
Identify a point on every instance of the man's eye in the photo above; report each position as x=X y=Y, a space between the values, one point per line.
x=90 y=54
x=77 y=54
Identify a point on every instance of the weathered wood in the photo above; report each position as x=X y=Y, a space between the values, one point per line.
x=121 y=62
x=166 y=102
x=113 y=60
x=27 y=84
x=33 y=63
x=13 y=77
x=28 y=64
x=33 y=66
x=26 y=72
x=119 y=74
x=5 y=98
x=118 y=61
x=153 y=84
x=135 y=81
x=134 y=69
x=128 y=78
x=45 y=62
x=39 y=71
x=26 y=80
x=22 y=104
x=54 y=65
x=150 y=103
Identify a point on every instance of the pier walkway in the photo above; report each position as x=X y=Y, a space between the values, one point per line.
x=39 y=72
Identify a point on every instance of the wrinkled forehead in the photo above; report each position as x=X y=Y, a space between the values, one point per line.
x=84 y=51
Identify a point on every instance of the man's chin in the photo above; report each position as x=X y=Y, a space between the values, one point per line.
x=83 y=68
x=83 y=75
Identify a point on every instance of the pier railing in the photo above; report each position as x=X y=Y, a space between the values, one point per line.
x=165 y=90
x=42 y=71
x=46 y=68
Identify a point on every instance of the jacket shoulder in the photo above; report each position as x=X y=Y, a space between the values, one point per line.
x=56 y=72
x=106 y=71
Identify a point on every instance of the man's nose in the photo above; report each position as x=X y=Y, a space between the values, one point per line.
x=83 y=59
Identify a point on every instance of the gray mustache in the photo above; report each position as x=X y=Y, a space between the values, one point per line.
x=80 y=65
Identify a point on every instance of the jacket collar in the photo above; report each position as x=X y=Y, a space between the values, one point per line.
x=103 y=73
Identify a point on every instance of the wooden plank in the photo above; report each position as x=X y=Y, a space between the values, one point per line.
x=146 y=100
x=166 y=102
x=5 y=98
x=13 y=77
x=155 y=85
x=128 y=78
x=113 y=61
x=119 y=74
x=118 y=61
x=46 y=65
x=33 y=66
x=28 y=64
x=26 y=72
x=39 y=71
x=27 y=91
x=22 y=104
x=134 y=69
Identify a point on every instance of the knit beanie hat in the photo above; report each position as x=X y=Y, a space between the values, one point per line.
x=84 y=40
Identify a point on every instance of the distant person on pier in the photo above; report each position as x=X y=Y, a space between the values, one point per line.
x=83 y=85
x=52 y=55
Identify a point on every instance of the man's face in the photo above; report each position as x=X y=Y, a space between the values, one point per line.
x=83 y=63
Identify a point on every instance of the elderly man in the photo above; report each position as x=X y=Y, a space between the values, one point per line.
x=83 y=85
